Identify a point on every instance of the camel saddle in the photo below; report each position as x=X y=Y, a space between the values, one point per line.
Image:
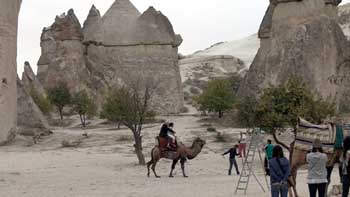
x=166 y=145
x=329 y=134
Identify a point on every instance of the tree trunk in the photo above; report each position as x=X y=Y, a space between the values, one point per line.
x=279 y=142
x=138 y=150
x=61 y=113
x=9 y=10
x=221 y=114
x=82 y=120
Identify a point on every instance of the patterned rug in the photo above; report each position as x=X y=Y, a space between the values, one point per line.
x=308 y=132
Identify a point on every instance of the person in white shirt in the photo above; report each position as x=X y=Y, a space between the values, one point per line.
x=317 y=172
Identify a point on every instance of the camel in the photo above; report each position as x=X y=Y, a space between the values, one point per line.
x=298 y=158
x=183 y=153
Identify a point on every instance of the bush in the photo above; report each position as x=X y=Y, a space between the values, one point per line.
x=194 y=90
x=184 y=110
x=84 y=106
x=59 y=96
x=216 y=97
x=222 y=138
x=211 y=129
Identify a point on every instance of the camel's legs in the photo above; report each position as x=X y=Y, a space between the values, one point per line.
x=173 y=167
x=148 y=166
x=182 y=161
x=154 y=168
x=294 y=175
x=329 y=175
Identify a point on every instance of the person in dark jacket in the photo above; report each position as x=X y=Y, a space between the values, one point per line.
x=233 y=153
x=345 y=162
x=279 y=173
x=166 y=131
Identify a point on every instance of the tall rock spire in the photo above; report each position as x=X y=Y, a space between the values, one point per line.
x=92 y=26
x=119 y=23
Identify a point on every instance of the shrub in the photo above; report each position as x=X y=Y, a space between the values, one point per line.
x=59 y=96
x=216 y=97
x=211 y=129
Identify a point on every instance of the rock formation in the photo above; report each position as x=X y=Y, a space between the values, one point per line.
x=112 y=51
x=62 y=58
x=344 y=19
x=196 y=71
x=30 y=81
x=301 y=38
x=30 y=119
x=9 y=10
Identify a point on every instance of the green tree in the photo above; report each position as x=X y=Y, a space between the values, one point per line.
x=111 y=108
x=217 y=97
x=280 y=107
x=247 y=111
x=83 y=105
x=60 y=97
x=235 y=81
x=131 y=106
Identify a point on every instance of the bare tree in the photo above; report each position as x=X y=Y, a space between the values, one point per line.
x=132 y=105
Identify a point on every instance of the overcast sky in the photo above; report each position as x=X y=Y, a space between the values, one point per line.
x=200 y=22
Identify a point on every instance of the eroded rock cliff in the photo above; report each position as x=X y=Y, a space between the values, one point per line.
x=301 y=38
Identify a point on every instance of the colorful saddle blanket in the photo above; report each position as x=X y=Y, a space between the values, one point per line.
x=329 y=135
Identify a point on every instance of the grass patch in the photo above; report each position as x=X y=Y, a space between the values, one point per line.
x=211 y=129
x=125 y=138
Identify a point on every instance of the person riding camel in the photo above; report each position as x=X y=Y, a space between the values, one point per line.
x=167 y=132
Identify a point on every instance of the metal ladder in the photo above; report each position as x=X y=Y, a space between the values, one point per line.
x=248 y=164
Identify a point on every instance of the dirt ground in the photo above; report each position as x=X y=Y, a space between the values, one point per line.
x=104 y=165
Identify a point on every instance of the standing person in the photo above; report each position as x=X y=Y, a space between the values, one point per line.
x=242 y=145
x=268 y=155
x=279 y=173
x=317 y=172
x=345 y=161
x=233 y=154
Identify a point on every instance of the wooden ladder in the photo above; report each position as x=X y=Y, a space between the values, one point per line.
x=247 y=170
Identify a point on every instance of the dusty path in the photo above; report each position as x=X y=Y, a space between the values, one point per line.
x=105 y=166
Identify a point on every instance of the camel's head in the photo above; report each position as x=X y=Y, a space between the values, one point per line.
x=199 y=141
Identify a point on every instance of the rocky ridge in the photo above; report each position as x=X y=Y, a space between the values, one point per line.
x=114 y=50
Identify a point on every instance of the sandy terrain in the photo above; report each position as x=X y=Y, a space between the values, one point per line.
x=105 y=165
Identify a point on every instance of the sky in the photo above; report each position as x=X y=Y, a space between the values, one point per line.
x=201 y=23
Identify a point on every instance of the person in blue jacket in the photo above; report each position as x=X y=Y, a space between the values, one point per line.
x=279 y=173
